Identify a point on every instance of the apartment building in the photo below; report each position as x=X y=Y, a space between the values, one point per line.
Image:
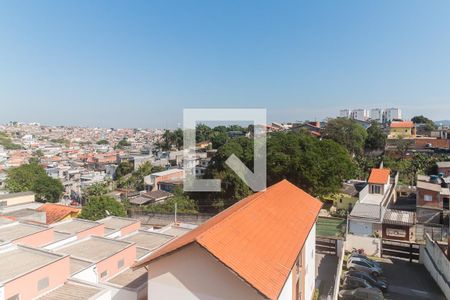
x=263 y=247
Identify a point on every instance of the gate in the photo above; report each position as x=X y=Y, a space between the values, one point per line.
x=325 y=245
x=396 y=249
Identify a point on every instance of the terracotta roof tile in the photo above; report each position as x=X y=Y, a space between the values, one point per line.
x=403 y=124
x=259 y=237
x=379 y=176
x=57 y=212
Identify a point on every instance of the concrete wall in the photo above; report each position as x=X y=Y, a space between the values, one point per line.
x=340 y=253
x=88 y=275
x=18 y=198
x=371 y=246
x=171 y=277
x=166 y=219
x=110 y=264
x=27 y=285
x=437 y=264
x=310 y=264
x=37 y=239
x=288 y=289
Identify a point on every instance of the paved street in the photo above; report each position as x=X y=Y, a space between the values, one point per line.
x=409 y=281
x=326 y=266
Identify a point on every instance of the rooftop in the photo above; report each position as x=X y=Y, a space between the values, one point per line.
x=72 y=290
x=74 y=226
x=429 y=186
x=117 y=222
x=13 y=231
x=239 y=237
x=379 y=176
x=19 y=260
x=403 y=124
x=77 y=265
x=15 y=195
x=130 y=279
x=57 y=212
x=141 y=252
x=175 y=230
x=443 y=164
x=167 y=172
x=399 y=217
x=147 y=239
x=93 y=248
x=366 y=210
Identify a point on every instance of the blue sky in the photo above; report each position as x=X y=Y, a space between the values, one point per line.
x=139 y=63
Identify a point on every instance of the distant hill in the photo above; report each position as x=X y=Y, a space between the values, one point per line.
x=443 y=122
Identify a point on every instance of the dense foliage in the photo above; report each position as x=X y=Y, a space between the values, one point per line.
x=32 y=177
x=6 y=142
x=346 y=132
x=99 y=207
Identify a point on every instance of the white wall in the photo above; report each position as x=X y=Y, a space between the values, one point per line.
x=2 y=293
x=437 y=264
x=60 y=243
x=286 y=293
x=120 y=294
x=89 y=275
x=310 y=264
x=193 y=273
x=371 y=246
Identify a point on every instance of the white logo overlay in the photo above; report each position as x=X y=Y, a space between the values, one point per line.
x=255 y=180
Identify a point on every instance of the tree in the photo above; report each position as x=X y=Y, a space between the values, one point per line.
x=6 y=142
x=202 y=133
x=96 y=189
x=122 y=144
x=403 y=146
x=32 y=177
x=124 y=168
x=184 y=204
x=219 y=139
x=99 y=207
x=376 y=138
x=429 y=124
x=102 y=142
x=347 y=133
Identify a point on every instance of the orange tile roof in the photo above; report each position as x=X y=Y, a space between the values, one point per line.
x=379 y=176
x=403 y=124
x=57 y=212
x=259 y=238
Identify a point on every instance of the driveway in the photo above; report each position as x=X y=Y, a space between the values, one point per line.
x=409 y=281
x=326 y=267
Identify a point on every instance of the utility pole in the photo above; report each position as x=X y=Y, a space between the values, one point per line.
x=175 y=213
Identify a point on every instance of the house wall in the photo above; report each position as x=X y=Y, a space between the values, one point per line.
x=371 y=246
x=27 y=285
x=404 y=132
x=89 y=275
x=174 y=175
x=98 y=230
x=19 y=200
x=310 y=264
x=60 y=243
x=110 y=264
x=288 y=289
x=130 y=228
x=171 y=277
x=436 y=202
x=37 y=239
x=395 y=232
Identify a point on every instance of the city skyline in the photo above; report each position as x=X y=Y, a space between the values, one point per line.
x=140 y=64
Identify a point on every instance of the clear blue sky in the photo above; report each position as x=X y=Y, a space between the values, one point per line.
x=139 y=63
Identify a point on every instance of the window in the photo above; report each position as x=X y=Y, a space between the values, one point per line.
x=375 y=189
x=43 y=283
x=104 y=274
x=120 y=264
x=428 y=198
x=15 y=297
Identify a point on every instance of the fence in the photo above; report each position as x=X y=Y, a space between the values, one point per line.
x=437 y=264
x=437 y=232
x=398 y=249
x=325 y=245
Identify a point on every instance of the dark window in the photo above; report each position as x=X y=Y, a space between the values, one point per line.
x=104 y=274
x=43 y=284
x=120 y=264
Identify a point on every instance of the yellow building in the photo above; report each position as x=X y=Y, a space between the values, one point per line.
x=403 y=129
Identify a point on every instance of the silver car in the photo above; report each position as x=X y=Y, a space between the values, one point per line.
x=360 y=264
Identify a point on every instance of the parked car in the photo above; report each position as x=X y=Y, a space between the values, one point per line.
x=351 y=283
x=360 y=264
x=361 y=294
x=360 y=255
x=375 y=282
